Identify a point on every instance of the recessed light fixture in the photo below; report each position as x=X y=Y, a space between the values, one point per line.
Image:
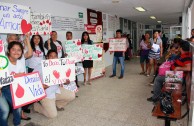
x=115 y=1
x=159 y=21
x=141 y=9
x=152 y=17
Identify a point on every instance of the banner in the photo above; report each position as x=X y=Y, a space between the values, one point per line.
x=72 y=87
x=57 y=71
x=14 y=18
x=5 y=77
x=27 y=89
x=41 y=23
x=73 y=49
x=92 y=52
x=116 y=44
x=95 y=32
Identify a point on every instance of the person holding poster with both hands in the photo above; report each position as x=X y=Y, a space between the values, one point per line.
x=87 y=64
x=118 y=56
x=16 y=67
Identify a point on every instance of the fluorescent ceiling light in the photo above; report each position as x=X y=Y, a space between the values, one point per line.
x=159 y=21
x=152 y=17
x=141 y=9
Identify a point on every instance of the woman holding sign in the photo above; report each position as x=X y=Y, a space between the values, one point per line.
x=87 y=64
x=16 y=67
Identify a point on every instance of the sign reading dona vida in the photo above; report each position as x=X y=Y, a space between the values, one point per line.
x=57 y=71
x=27 y=89
x=117 y=44
x=11 y=16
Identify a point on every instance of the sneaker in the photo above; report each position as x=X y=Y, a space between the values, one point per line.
x=112 y=76
x=121 y=77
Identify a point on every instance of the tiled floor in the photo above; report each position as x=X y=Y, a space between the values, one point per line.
x=109 y=102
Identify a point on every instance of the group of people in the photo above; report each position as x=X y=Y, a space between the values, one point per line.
x=28 y=54
x=178 y=54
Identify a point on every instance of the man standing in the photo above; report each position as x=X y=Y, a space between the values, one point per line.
x=118 y=56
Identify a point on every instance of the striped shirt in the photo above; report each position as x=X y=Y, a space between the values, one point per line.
x=183 y=60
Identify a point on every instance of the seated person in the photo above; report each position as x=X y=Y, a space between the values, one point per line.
x=57 y=96
x=182 y=63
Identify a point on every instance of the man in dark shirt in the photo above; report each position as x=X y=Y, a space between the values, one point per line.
x=182 y=63
x=118 y=56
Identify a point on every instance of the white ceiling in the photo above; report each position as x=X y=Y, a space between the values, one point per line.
x=168 y=11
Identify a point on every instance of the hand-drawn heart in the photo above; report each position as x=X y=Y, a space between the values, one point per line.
x=86 y=51
x=40 y=23
x=47 y=21
x=19 y=91
x=68 y=72
x=56 y=74
x=1 y=45
x=97 y=45
x=99 y=55
x=25 y=27
x=90 y=58
x=44 y=33
x=37 y=33
x=79 y=43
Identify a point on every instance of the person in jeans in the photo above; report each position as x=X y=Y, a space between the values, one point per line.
x=118 y=56
x=15 y=67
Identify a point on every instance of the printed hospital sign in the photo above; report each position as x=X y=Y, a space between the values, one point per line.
x=5 y=77
x=116 y=44
x=57 y=71
x=27 y=89
x=14 y=18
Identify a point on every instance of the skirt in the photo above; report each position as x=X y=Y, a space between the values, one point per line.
x=87 y=63
x=154 y=55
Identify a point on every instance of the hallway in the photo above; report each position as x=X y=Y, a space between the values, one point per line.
x=109 y=102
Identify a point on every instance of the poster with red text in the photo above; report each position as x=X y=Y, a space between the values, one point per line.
x=117 y=44
x=14 y=18
x=41 y=23
x=5 y=77
x=27 y=89
x=95 y=32
x=58 y=71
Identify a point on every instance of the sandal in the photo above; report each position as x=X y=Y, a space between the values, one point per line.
x=142 y=73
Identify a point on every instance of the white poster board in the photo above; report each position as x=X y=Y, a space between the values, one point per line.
x=57 y=71
x=92 y=52
x=5 y=77
x=14 y=18
x=27 y=89
x=73 y=49
x=117 y=44
x=41 y=23
x=72 y=87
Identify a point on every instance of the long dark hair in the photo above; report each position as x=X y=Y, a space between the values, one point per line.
x=82 y=40
x=11 y=44
x=41 y=46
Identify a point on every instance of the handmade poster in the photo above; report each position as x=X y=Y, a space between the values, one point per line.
x=41 y=23
x=73 y=49
x=98 y=67
x=72 y=87
x=95 y=32
x=5 y=77
x=79 y=70
x=14 y=18
x=174 y=77
x=117 y=44
x=57 y=71
x=27 y=89
x=92 y=52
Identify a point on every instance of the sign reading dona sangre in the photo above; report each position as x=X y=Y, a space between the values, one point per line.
x=73 y=49
x=5 y=77
x=27 y=89
x=57 y=71
x=41 y=23
x=117 y=44
x=92 y=52
x=14 y=18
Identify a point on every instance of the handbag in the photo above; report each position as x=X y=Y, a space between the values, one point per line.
x=166 y=105
x=164 y=67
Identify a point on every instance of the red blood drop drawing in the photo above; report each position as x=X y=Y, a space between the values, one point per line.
x=97 y=45
x=47 y=21
x=19 y=91
x=37 y=33
x=90 y=58
x=40 y=23
x=56 y=74
x=68 y=73
x=78 y=43
x=99 y=55
x=44 y=33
